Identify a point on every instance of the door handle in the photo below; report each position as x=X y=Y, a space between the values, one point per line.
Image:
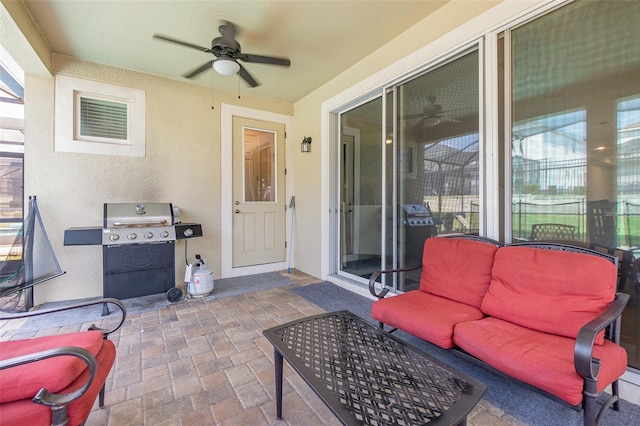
x=237 y=211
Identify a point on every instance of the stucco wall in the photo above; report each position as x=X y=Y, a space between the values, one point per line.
x=183 y=153
x=182 y=166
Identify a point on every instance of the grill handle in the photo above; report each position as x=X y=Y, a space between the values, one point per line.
x=151 y=223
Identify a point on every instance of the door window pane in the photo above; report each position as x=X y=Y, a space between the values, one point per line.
x=259 y=165
x=428 y=157
x=11 y=203
x=361 y=189
x=437 y=159
x=549 y=164
x=628 y=149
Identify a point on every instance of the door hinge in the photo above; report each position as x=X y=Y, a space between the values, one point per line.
x=285 y=171
x=285 y=244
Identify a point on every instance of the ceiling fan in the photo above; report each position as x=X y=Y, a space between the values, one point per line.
x=432 y=114
x=227 y=52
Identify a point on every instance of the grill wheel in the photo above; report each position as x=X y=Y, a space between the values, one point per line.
x=174 y=295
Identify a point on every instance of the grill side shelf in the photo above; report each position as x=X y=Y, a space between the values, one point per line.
x=88 y=236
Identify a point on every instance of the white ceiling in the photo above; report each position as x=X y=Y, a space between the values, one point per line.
x=321 y=38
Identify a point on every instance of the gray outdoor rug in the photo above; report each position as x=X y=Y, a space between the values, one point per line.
x=226 y=287
x=523 y=404
x=239 y=285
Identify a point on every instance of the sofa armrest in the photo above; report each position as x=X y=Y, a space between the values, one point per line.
x=585 y=364
x=56 y=401
x=116 y=302
x=383 y=292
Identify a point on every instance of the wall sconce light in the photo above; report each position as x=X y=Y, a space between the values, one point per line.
x=305 y=145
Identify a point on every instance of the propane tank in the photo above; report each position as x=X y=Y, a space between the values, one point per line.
x=201 y=283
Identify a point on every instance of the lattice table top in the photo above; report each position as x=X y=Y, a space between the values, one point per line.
x=377 y=377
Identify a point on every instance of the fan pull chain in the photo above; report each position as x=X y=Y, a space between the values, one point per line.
x=212 y=91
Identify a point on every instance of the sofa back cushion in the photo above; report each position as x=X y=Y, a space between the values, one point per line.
x=548 y=290
x=457 y=269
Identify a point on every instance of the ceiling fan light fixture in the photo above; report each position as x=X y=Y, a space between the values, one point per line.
x=226 y=66
x=432 y=121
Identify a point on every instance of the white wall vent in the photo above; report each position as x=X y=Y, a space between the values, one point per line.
x=99 y=118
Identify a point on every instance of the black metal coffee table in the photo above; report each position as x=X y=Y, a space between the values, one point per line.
x=367 y=376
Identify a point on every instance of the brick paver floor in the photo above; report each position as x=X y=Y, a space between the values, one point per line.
x=206 y=362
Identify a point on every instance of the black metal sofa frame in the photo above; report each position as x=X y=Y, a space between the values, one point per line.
x=586 y=365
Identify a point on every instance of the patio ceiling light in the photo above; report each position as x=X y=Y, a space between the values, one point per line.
x=226 y=66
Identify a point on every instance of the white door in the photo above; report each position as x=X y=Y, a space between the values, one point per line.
x=259 y=203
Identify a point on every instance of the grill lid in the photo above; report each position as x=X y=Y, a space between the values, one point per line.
x=119 y=215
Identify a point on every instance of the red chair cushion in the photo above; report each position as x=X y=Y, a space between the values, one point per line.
x=542 y=360
x=457 y=269
x=25 y=411
x=551 y=291
x=53 y=374
x=424 y=315
x=80 y=409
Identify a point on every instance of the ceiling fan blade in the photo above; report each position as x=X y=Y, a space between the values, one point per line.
x=202 y=68
x=413 y=116
x=182 y=43
x=247 y=77
x=259 y=59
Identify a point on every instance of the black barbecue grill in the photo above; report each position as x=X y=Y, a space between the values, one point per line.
x=138 y=247
x=419 y=224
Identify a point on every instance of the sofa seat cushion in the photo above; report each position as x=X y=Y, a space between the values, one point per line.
x=29 y=413
x=457 y=269
x=53 y=374
x=547 y=290
x=545 y=361
x=424 y=315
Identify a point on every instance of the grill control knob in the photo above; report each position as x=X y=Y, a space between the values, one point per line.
x=164 y=234
x=132 y=236
x=148 y=235
x=114 y=237
x=188 y=232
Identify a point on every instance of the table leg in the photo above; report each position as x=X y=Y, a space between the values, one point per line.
x=277 y=359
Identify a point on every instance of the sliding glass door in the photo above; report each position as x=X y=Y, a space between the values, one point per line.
x=411 y=173
x=575 y=136
x=561 y=160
